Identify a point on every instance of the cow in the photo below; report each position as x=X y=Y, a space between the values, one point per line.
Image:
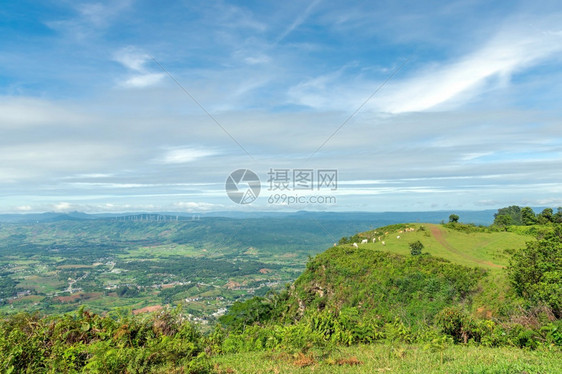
x=383 y=243
x=374 y=240
x=355 y=245
x=398 y=237
x=364 y=241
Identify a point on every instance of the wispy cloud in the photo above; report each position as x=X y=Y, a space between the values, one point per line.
x=299 y=20
x=89 y=18
x=511 y=51
x=136 y=61
x=442 y=85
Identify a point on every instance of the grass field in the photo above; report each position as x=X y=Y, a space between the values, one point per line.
x=396 y=359
x=483 y=249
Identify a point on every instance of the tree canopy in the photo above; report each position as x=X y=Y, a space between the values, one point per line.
x=536 y=271
x=514 y=214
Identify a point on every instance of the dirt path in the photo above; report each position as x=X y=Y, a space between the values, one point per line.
x=438 y=235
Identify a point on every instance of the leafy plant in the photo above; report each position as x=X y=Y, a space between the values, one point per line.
x=416 y=248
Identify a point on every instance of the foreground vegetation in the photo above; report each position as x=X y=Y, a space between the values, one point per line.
x=409 y=298
x=165 y=342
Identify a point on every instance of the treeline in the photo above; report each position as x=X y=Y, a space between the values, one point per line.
x=526 y=216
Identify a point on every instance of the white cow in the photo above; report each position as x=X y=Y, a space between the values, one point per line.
x=374 y=240
x=383 y=243
x=364 y=241
x=355 y=245
x=398 y=237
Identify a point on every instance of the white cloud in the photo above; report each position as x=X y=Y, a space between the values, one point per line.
x=63 y=207
x=258 y=59
x=132 y=58
x=185 y=155
x=89 y=176
x=144 y=80
x=512 y=50
x=44 y=160
x=135 y=60
x=191 y=206
x=20 y=112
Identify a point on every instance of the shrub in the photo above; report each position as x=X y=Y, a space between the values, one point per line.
x=536 y=271
x=416 y=248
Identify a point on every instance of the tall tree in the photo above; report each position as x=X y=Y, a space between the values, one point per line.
x=513 y=211
x=503 y=220
x=528 y=216
x=546 y=216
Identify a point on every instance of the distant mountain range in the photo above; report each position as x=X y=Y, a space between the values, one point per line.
x=480 y=217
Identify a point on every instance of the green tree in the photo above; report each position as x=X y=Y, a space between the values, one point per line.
x=558 y=216
x=513 y=211
x=454 y=218
x=416 y=248
x=503 y=220
x=546 y=216
x=528 y=216
x=246 y=313
x=536 y=271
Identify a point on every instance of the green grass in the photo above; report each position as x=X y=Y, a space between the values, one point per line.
x=161 y=251
x=396 y=359
x=46 y=283
x=483 y=249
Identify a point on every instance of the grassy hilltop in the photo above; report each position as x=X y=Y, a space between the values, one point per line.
x=377 y=308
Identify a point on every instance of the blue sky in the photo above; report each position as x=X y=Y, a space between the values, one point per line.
x=465 y=113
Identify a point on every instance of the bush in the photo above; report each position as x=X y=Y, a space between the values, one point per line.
x=88 y=342
x=454 y=321
x=416 y=248
x=536 y=271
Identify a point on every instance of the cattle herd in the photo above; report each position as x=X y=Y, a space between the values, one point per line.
x=378 y=238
